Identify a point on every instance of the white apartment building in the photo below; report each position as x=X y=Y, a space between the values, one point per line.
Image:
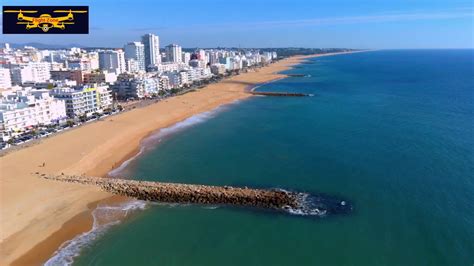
x=186 y=58
x=33 y=71
x=94 y=60
x=139 y=86
x=133 y=66
x=184 y=78
x=202 y=56
x=136 y=51
x=5 y=78
x=21 y=110
x=173 y=53
x=218 y=69
x=112 y=61
x=104 y=97
x=170 y=66
x=84 y=100
x=83 y=64
x=151 y=43
x=164 y=83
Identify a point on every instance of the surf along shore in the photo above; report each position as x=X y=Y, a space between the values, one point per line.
x=38 y=215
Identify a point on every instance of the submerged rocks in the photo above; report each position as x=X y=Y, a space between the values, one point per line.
x=184 y=193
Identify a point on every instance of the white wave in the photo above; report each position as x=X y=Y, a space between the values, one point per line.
x=306 y=212
x=305 y=207
x=118 y=170
x=210 y=207
x=104 y=218
x=188 y=122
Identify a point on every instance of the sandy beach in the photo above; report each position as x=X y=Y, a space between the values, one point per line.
x=37 y=216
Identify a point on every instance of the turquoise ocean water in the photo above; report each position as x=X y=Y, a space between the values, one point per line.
x=390 y=131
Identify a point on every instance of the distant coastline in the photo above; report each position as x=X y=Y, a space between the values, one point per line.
x=96 y=149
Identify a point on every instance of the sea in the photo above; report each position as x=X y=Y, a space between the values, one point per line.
x=391 y=132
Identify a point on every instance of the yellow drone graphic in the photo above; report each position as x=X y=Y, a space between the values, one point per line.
x=45 y=21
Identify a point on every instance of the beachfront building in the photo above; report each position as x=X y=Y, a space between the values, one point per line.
x=84 y=99
x=130 y=86
x=173 y=53
x=151 y=44
x=218 y=69
x=23 y=109
x=174 y=79
x=112 y=61
x=164 y=83
x=198 y=74
x=227 y=62
x=135 y=53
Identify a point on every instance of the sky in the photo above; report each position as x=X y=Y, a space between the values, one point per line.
x=366 y=24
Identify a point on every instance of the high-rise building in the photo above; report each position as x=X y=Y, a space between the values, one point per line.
x=112 y=61
x=136 y=51
x=152 y=49
x=186 y=58
x=173 y=53
x=202 y=56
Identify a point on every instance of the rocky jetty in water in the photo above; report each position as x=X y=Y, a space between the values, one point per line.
x=184 y=193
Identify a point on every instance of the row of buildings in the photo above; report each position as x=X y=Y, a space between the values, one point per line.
x=22 y=108
x=41 y=87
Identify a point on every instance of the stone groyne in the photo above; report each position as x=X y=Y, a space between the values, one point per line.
x=288 y=94
x=184 y=193
x=296 y=75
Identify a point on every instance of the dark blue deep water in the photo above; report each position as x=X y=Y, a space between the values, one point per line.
x=391 y=131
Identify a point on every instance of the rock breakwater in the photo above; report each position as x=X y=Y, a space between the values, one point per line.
x=185 y=193
x=287 y=94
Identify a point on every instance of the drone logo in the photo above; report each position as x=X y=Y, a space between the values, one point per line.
x=45 y=21
x=67 y=19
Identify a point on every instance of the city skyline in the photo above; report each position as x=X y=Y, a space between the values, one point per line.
x=372 y=25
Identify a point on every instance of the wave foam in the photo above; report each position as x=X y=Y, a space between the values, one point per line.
x=104 y=218
x=317 y=205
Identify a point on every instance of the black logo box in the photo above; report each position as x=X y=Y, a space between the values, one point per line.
x=80 y=26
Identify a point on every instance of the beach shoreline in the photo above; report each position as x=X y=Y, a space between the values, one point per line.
x=32 y=232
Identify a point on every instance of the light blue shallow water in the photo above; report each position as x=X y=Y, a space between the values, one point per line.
x=392 y=131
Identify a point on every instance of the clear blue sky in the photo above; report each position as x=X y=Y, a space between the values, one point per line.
x=272 y=23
